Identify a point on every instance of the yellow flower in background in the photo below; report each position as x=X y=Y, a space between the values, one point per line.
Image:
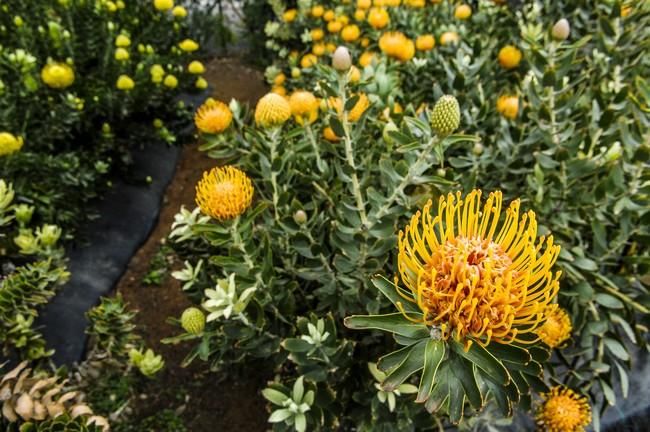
x=272 y=110
x=366 y=58
x=509 y=57
x=188 y=45
x=110 y=6
x=201 y=83
x=449 y=37
x=213 y=117
x=304 y=107
x=557 y=328
x=9 y=143
x=289 y=15
x=364 y=4
x=378 y=18
x=508 y=106
x=343 y=19
x=124 y=82
x=279 y=90
x=179 y=12
x=474 y=277
x=563 y=410
x=121 y=54
x=350 y=33
x=330 y=47
x=308 y=60
x=317 y=34
x=279 y=79
x=356 y=112
x=122 y=41
x=157 y=73
x=329 y=135
x=57 y=75
x=354 y=74
x=170 y=81
x=120 y=4
x=334 y=26
x=317 y=11
x=397 y=45
x=196 y=67
x=462 y=12
x=365 y=42
x=319 y=49
x=329 y=15
x=224 y=193
x=425 y=42
x=163 y=5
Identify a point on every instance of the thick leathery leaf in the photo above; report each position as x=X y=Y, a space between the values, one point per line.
x=391 y=360
x=413 y=362
x=389 y=290
x=500 y=396
x=510 y=353
x=394 y=323
x=463 y=370
x=440 y=392
x=484 y=361
x=456 y=401
x=532 y=368
x=433 y=355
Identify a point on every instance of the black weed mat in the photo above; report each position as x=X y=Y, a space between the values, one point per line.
x=128 y=213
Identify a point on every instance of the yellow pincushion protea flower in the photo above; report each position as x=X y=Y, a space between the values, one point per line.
x=188 y=45
x=355 y=113
x=397 y=45
x=9 y=143
x=224 y=193
x=474 y=277
x=508 y=106
x=272 y=110
x=509 y=57
x=304 y=107
x=563 y=411
x=213 y=117
x=557 y=327
x=378 y=18
x=57 y=75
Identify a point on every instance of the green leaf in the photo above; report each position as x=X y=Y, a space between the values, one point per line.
x=296 y=345
x=433 y=355
x=391 y=360
x=484 y=361
x=609 y=301
x=337 y=127
x=413 y=362
x=274 y=396
x=389 y=290
x=464 y=372
x=500 y=396
x=393 y=323
x=608 y=392
x=617 y=348
x=511 y=353
x=456 y=403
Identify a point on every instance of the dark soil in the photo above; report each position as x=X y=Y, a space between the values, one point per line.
x=208 y=401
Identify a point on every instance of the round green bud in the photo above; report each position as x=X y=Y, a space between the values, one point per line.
x=193 y=320
x=445 y=117
x=300 y=217
x=390 y=127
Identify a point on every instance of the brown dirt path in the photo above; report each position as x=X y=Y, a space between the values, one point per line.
x=210 y=403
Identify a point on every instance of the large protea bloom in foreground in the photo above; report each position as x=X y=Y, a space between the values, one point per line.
x=476 y=285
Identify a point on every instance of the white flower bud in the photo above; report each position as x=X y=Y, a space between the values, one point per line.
x=341 y=60
x=561 y=30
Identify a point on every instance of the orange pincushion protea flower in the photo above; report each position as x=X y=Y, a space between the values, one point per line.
x=474 y=277
x=213 y=117
x=563 y=411
x=224 y=193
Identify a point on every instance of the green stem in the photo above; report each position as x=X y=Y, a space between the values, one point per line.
x=611 y=288
x=314 y=144
x=405 y=181
x=274 y=175
x=349 y=154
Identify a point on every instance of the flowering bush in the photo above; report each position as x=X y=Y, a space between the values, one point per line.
x=517 y=297
x=79 y=79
